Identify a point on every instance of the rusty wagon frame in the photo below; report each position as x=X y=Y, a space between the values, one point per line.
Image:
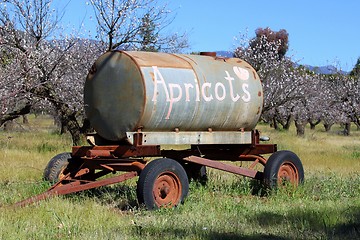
x=164 y=182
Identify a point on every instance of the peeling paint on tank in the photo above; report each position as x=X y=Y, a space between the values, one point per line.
x=188 y=92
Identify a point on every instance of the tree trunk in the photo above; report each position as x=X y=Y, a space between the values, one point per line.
x=63 y=128
x=275 y=123
x=357 y=123
x=67 y=116
x=69 y=122
x=288 y=123
x=313 y=124
x=327 y=126
x=300 y=127
x=25 y=119
x=347 y=129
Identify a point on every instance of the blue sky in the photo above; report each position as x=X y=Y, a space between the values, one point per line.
x=320 y=32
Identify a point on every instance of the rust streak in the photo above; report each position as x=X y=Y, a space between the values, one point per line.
x=255 y=75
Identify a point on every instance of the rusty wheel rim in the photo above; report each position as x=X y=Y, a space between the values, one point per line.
x=288 y=173
x=62 y=174
x=167 y=190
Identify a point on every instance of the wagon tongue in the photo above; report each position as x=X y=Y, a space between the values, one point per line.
x=74 y=186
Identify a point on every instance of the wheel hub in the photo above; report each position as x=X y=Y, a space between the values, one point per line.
x=288 y=173
x=167 y=190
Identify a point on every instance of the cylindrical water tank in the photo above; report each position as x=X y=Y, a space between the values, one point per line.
x=128 y=91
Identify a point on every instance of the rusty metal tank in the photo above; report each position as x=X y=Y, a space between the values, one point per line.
x=131 y=91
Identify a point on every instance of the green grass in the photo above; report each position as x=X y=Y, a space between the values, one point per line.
x=327 y=206
x=319 y=150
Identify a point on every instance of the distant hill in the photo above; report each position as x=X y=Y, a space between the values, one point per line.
x=329 y=69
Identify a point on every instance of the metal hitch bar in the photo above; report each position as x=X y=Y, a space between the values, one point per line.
x=74 y=186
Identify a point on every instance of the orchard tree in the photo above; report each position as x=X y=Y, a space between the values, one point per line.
x=39 y=69
x=23 y=27
x=315 y=99
x=281 y=37
x=268 y=44
x=293 y=93
x=47 y=72
x=283 y=85
x=14 y=100
x=347 y=92
x=328 y=101
x=135 y=25
x=148 y=35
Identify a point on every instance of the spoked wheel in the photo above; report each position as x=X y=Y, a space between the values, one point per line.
x=283 y=167
x=162 y=183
